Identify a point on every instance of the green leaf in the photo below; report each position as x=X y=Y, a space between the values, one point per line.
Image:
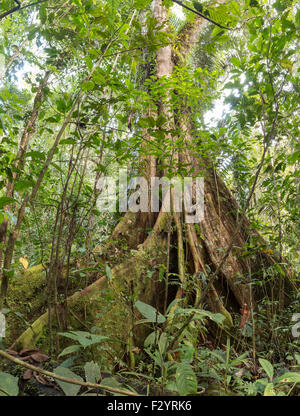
x=72 y=335
x=163 y=343
x=187 y=354
x=68 y=141
x=36 y=155
x=99 y=78
x=89 y=63
x=84 y=338
x=150 y=340
x=234 y=6
x=173 y=303
x=289 y=378
x=92 y=372
x=297 y=17
x=21 y=185
x=61 y=105
x=280 y=5
x=267 y=366
x=87 y=86
x=6 y=201
x=43 y=14
x=149 y=312
x=68 y=388
x=108 y=273
x=236 y=62
x=186 y=379
x=111 y=382
x=8 y=385
x=216 y=317
x=198 y=6
x=69 y=350
x=269 y=390
x=199 y=314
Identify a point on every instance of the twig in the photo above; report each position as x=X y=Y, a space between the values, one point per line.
x=65 y=379
x=201 y=15
x=18 y=7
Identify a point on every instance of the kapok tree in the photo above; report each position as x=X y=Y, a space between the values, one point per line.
x=220 y=263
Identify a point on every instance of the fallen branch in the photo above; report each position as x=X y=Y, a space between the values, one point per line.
x=65 y=379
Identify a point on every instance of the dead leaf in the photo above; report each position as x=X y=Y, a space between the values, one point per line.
x=28 y=351
x=41 y=380
x=13 y=353
x=45 y=380
x=39 y=357
x=25 y=358
x=27 y=375
x=24 y=262
x=240 y=373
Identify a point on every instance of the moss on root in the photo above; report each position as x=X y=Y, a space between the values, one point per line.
x=26 y=300
x=109 y=303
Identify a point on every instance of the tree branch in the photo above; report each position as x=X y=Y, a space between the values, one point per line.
x=66 y=380
x=18 y=7
x=202 y=15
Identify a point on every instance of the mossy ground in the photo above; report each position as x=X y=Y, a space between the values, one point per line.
x=27 y=300
x=108 y=303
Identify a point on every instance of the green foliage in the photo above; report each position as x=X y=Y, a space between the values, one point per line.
x=85 y=339
x=8 y=385
x=186 y=380
x=273 y=386
x=267 y=366
x=92 y=372
x=109 y=116
x=68 y=388
x=150 y=313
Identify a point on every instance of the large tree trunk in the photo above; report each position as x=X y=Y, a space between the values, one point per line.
x=216 y=248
